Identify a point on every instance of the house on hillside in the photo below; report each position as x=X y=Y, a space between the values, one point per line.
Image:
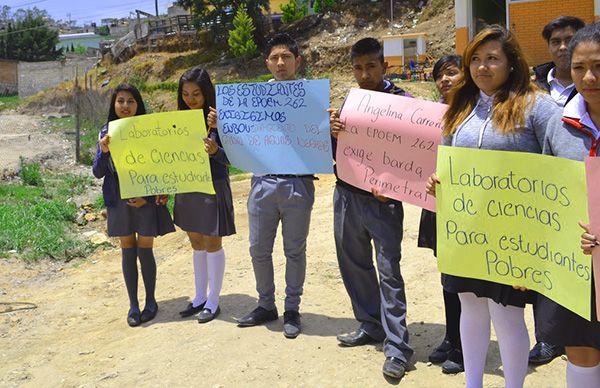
x=525 y=18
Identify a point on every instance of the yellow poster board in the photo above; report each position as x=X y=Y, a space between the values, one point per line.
x=161 y=153
x=511 y=218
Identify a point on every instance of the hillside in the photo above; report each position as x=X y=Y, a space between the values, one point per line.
x=325 y=42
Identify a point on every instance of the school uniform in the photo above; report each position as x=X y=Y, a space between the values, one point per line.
x=545 y=79
x=289 y=199
x=209 y=214
x=570 y=135
x=359 y=219
x=484 y=302
x=122 y=219
x=427 y=238
x=477 y=131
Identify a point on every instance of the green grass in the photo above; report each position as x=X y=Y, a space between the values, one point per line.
x=9 y=102
x=37 y=221
x=30 y=173
x=235 y=171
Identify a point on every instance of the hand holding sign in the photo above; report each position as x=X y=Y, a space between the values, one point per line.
x=389 y=143
x=511 y=218
x=276 y=127
x=161 y=153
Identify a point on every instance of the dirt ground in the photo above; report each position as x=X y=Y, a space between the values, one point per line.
x=65 y=324
x=26 y=136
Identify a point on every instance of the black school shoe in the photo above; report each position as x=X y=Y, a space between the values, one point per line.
x=133 y=317
x=258 y=316
x=291 y=324
x=454 y=364
x=356 y=338
x=440 y=354
x=148 y=313
x=543 y=353
x=394 y=367
x=207 y=315
x=191 y=310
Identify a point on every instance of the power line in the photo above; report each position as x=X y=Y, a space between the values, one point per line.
x=25 y=4
x=23 y=30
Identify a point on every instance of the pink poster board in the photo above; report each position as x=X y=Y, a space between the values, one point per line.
x=390 y=144
x=592 y=172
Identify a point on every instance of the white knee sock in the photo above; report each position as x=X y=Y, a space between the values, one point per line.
x=216 y=270
x=579 y=376
x=513 y=341
x=475 y=336
x=200 y=277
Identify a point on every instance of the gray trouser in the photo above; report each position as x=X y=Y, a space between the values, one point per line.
x=271 y=199
x=380 y=307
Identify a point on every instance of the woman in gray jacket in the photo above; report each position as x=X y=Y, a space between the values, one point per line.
x=496 y=107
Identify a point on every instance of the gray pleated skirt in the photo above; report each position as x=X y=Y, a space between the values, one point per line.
x=148 y=220
x=210 y=215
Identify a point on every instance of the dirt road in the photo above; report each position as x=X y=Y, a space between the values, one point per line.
x=26 y=136
x=77 y=335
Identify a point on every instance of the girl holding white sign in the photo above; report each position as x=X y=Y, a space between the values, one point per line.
x=495 y=106
x=574 y=134
x=206 y=218
x=136 y=221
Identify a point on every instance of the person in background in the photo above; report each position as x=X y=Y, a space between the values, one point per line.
x=555 y=78
x=447 y=72
x=136 y=221
x=206 y=218
x=574 y=134
x=496 y=107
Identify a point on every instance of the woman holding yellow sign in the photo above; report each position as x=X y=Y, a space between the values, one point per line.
x=575 y=134
x=206 y=218
x=496 y=107
x=136 y=221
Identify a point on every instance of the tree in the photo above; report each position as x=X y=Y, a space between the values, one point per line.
x=29 y=38
x=323 y=5
x=218 y=15
x=293 y=11
x=103 y=30
x=317 y=6
x=72 y=49
x=241 y=39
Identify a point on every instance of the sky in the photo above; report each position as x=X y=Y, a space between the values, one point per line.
x=86 y=11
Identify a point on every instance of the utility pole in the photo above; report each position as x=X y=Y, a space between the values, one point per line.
x=156 y=7
x=77 y=97
x=391 y=13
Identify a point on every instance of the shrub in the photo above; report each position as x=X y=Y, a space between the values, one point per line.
x=241 y=38
x=30 y=173
x=293 y=11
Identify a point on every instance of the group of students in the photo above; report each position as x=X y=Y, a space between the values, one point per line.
x=492 y=104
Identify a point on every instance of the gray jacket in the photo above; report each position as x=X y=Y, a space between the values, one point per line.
x=477 y=131
x=569 y=138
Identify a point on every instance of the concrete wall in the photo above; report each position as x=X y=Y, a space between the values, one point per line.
x=8 y=77
x=37 y=76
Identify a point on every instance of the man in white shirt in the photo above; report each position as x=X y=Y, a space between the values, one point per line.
x=555 y=76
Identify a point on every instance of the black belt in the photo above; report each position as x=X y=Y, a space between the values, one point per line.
x=289 y=176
